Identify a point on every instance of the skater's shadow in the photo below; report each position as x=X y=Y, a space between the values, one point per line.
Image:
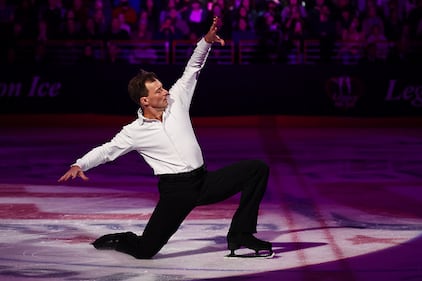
x=284 y=247
x=220 y=241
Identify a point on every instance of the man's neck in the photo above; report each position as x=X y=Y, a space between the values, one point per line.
x=157 y=115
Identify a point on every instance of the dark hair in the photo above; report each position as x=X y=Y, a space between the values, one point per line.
x=136 y=86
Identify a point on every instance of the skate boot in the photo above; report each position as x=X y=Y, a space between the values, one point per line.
x=247 y=240
x=110 y=241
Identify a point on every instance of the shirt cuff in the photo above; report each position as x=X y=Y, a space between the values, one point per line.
x=77 y=163
x=204 y=42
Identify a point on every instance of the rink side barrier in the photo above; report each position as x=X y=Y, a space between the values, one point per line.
x=222 y=90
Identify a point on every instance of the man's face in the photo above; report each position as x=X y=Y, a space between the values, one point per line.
x=157 y=95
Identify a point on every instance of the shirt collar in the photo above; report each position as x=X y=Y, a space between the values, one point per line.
x=142 y=119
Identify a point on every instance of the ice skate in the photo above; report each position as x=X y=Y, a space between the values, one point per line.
x=262 y=249
x=110 y=241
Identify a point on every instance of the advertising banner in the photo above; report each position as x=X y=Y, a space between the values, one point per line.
x=222 y=90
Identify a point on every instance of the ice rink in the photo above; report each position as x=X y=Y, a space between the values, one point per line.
x=344 y=202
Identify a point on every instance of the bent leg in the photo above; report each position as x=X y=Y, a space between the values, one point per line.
x=249 y=177
x=177 y=199
x=164 y=222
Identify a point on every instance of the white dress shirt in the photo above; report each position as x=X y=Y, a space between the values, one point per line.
x=169 y=146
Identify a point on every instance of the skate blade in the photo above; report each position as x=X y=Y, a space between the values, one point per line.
x=267 y=255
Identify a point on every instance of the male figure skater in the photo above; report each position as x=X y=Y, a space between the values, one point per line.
x=163 y=135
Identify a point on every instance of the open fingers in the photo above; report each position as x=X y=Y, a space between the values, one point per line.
x=82 y=176
x=212 y=35
x=219 y=40
x=216 y=23
x=72 y=174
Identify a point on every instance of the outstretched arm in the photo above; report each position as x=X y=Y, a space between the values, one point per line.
x=212 y=36
x=119 y=145
x=184 y=88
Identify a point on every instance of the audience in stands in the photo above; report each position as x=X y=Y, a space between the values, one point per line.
x=389 y=30
x=352 y=42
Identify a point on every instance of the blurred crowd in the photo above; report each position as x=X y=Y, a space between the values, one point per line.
x=389 y=29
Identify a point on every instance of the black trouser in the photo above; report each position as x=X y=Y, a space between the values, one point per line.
x=181 y=193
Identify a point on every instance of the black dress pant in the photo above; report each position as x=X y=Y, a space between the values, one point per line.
x=181 y=193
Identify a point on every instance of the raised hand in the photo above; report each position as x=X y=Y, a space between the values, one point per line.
x=212 y=36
